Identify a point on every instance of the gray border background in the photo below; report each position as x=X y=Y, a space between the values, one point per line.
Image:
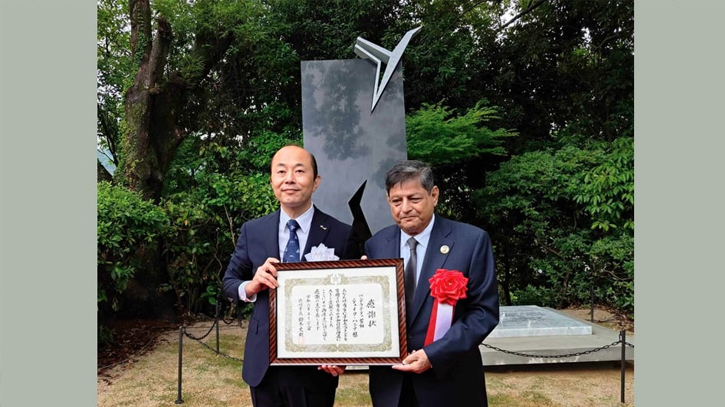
x=679 y=88
x=47 y=203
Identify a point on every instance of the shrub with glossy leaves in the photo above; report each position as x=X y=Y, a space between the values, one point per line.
x=127 y=227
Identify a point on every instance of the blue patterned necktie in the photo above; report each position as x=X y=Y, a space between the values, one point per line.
x=292 y=251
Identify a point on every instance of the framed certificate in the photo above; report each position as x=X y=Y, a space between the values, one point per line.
x=347 y=312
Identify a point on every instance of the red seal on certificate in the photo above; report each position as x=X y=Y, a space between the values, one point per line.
x=447 y=287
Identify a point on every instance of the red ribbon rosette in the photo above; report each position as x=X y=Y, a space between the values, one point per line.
x=447 y=287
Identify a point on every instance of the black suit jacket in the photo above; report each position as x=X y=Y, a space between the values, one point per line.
x=258 y=240
x=456 y=378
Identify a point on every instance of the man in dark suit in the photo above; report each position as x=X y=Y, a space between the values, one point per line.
x=251 y=274
x=443 y=367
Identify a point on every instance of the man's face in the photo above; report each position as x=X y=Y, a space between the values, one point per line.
x=292 y=179
x=412 y=206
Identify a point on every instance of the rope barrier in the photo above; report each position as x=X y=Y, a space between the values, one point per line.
x=565 y=355
x=529 y=355
x=190 y=336
x=622 y=341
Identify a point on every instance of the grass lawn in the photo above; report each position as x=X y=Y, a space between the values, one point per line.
x=211 y=380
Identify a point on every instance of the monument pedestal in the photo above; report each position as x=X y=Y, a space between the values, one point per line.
x=531 y=320
x=549 y=333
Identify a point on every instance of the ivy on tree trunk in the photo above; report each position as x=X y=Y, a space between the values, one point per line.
x=155 y=102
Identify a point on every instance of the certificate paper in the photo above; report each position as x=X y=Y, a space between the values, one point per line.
x=338 y=312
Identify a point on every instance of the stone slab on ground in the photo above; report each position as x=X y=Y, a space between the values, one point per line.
x=556 y=345
x=532 y=320
x=553 y=345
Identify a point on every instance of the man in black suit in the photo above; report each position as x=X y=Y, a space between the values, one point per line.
x=287 y=234
x=449 y=260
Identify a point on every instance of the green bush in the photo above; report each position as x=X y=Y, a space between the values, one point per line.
x=128 y=228
x=204 y=224
x=563 y=218
x=541 y=296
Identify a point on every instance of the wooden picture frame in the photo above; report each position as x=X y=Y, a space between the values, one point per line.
x=346 y=312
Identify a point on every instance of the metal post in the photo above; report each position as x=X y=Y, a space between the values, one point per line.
x=179 y=400
x=623 y=338
x=216 y=321
x=591 y=293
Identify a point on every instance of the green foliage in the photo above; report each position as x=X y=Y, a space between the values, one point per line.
x=127 y=230
x=546 y=238
x=560 y=78
x=205 y=221
x=186 y=251
x=114 y=64
x=437 y=136
x=207 y=197
x=613 y=260
x=567 y=65
x=211 y=189
x=607 y=190
x=261 y=148
x=539 y=295
x=211 y=294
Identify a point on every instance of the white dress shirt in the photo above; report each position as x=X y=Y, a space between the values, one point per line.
x=303 y=232
x=422 y=238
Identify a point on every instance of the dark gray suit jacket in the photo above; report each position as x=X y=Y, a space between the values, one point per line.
x=258 y=240
x=456 y=378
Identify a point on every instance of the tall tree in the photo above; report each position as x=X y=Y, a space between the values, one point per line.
x=151 y=104
x=194 y=96
x=113 y=77
x=165 y=101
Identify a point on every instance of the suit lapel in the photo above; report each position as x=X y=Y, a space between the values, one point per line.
x=271 y=240
x=319 y=228
x=392 y=247
x=434 y=259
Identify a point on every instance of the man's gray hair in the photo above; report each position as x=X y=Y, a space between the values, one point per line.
x=410 y=170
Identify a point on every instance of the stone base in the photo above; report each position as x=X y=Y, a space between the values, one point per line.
x=551 y=345
x=531 y=320
x=556 y=345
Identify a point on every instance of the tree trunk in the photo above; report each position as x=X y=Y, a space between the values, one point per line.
x=156 y=114
x=155 y=103
x=152 y=104
x=101 y=173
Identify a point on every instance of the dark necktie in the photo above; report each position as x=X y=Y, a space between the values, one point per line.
x=410 y=279
x=292 y=251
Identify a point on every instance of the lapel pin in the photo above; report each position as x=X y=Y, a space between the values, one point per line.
x=445 y=249
x=323 y=227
